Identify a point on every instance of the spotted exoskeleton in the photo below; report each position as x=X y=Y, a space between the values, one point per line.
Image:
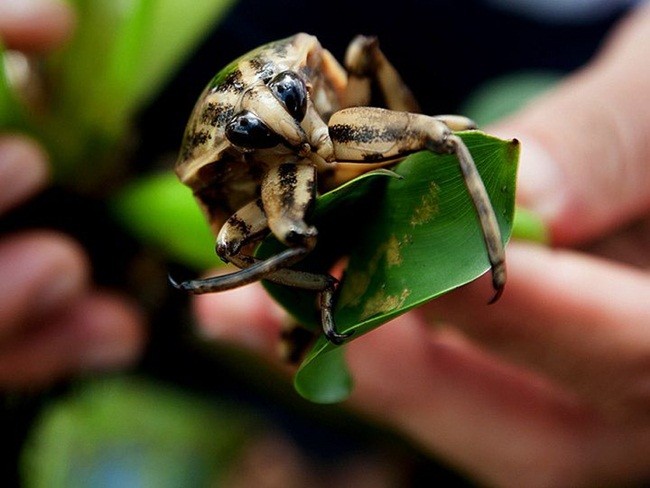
x=276 y=126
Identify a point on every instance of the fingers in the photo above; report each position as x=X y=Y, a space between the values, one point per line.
x=40 y=273
x=35 y=25
x=247 y=316
x=584 y=146
x=96 y=332
x=51 y=324
x=484 y=416
x=580 y=320
x=500 y=423
x=23 y=170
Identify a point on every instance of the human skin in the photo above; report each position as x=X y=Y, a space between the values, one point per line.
x=53 y=321
x=550 y=387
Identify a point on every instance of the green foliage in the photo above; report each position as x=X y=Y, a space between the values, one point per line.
x=163 y=214
x=408 y=239
x=500 y=97
x=121 y=54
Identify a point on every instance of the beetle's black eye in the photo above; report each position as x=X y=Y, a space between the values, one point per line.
x=292 y=92
x=247 y=130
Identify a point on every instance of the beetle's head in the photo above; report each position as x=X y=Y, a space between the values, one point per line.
x=271 y=114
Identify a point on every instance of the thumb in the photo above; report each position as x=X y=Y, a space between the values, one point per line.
x=585 y=165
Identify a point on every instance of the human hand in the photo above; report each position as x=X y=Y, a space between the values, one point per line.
x=53 y=322
x=550 y=386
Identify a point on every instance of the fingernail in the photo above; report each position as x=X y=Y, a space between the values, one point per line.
x=23 y=170
x=36 y=25
x=61 y=267
x=44 y=268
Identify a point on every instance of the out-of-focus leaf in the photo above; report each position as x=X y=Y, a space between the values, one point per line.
x=127 y=432
x=528 y=226
x=499 y=97
x=121 y=53
x=162 y=213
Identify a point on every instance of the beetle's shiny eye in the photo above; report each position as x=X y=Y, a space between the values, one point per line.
x=292 y=92
x=247 y=130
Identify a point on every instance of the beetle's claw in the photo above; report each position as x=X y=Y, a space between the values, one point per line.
x=498 y=279
x=498 y=291
x=337 y=338
x=176 y=284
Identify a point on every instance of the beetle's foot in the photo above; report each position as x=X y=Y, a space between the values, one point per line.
x=360 y=59
x=301 y=235
x=179 y=286
x=499 y=276
x=444 y=144
x=497 y=294
x=190 y=286
x=327 y=318
x=337 y=338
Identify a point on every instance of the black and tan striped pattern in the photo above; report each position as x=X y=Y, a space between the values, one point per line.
x=288 y=192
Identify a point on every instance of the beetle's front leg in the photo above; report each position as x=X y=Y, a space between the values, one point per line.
x=368 y=134
x=246 y=226
x=287 y=193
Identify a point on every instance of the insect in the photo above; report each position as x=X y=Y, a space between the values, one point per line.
x=286 y=121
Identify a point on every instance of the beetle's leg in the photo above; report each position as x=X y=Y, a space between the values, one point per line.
x=456 y=122
x=247 y=225
x=364 y=134
x=365 y=62
x=289 y=192
x=322 y=283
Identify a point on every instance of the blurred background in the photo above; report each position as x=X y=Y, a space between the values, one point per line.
x=194 y=413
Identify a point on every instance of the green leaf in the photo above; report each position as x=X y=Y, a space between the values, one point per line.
x=408 y=240
x=327 y=379
x=124 y=50
x=162 y=54
x=162 y=213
